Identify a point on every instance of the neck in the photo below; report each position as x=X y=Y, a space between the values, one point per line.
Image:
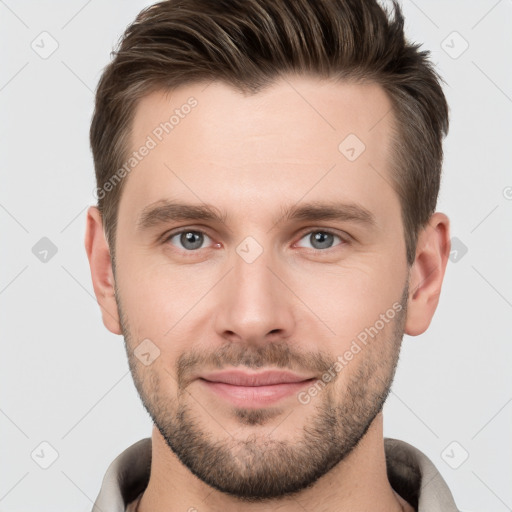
x=357 y=483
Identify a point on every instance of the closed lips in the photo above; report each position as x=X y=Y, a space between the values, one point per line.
x=237 y=378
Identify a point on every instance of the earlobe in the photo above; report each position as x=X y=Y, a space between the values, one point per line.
x=100 y=264
x=427 y=273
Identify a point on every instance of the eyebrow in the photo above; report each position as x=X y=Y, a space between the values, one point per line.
x=320 y=210
x=167 y=211
x=164 y=211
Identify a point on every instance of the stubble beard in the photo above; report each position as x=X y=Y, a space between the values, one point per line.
x=262 y=466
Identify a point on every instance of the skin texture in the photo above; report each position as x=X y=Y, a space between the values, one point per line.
x=292 y=307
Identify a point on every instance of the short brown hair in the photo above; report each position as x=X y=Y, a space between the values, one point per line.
x=248 y=44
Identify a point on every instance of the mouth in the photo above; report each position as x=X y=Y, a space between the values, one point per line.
x=251 y=390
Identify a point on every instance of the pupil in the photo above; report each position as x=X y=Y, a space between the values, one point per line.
x=321 y=240
x=191 y=240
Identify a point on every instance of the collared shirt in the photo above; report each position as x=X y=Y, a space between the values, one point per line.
x=410 y=472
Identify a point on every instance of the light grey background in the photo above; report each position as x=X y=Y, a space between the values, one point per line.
x=64 y=377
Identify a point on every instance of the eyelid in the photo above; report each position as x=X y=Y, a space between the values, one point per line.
x=168 y=235
x=345 y=237
x=184 y=229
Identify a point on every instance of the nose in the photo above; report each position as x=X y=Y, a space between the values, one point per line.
x=254 y=305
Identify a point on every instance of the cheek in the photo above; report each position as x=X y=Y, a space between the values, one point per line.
x=344 y=300
x=159 y=299
x=332 y=304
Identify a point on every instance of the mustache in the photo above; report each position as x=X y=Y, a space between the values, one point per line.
x=278 y=354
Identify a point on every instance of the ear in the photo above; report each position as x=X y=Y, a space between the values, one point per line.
x=100 y=262
x=427 y=273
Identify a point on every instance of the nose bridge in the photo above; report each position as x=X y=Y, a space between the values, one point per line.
x=253 y=303
x=253 y=279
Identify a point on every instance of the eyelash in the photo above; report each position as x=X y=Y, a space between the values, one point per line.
x=344 y=240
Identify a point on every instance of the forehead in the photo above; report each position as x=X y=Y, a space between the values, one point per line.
x=301 y=136
x=297 y=109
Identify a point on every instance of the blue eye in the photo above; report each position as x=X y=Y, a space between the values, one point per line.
x=189 y=240
x=192 y=240
x=321 y=239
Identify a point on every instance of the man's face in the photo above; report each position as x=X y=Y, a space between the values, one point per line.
x=275 y=283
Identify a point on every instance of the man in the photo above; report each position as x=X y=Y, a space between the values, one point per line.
x=265 y=234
